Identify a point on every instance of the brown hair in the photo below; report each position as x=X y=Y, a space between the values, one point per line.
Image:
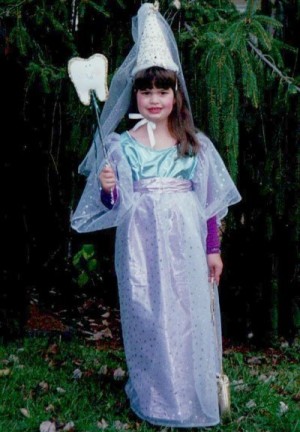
x=180 y=121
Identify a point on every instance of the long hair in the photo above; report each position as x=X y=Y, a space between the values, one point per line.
x=180 y=122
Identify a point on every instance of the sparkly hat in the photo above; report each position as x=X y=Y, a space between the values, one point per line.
x=153 y=47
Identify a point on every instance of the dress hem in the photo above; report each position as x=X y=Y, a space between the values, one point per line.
x=170 y=423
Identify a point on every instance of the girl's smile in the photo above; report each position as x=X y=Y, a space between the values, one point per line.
x=154 y=110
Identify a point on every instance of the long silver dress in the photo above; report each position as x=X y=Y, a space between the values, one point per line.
x=171 y=344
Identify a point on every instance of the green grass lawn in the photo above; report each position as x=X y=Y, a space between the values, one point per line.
x=80 y=388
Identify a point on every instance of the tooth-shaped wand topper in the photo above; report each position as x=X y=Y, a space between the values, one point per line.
x=89 y=75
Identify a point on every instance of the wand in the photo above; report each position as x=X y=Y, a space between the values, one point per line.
x=89 y=77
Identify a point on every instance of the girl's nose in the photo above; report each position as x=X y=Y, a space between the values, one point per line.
x=154 y=98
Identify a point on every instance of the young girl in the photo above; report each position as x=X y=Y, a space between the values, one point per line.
x=166 y=189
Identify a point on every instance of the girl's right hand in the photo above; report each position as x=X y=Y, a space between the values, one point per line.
x=107 y=179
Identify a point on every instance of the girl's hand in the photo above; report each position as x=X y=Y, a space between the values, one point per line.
x=215 y=266
x=107 y=179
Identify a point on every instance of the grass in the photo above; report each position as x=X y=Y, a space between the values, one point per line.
x=62 y=381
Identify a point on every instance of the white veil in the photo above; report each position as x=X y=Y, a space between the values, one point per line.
x=117 y=104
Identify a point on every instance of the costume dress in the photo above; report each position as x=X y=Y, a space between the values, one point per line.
x=164 y=202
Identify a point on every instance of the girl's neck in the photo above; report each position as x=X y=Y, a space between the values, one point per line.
x=163 y=138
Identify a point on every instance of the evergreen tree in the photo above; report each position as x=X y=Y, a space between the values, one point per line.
x=243 y=75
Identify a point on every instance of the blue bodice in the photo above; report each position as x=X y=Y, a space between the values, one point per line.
x=146 y=162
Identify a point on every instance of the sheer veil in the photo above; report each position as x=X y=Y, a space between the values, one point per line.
x=117 y=104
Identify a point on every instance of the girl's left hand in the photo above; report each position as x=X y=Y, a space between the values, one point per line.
x=215 y=266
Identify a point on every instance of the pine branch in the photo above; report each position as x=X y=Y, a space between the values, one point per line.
x=261 y=55
x=10 y=8
x=214 y=37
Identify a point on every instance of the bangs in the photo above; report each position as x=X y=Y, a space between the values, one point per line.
x=155 y=77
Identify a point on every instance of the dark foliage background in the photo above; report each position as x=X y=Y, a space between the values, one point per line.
x=253 y=119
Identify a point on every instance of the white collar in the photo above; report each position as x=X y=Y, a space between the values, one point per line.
x=150 y=126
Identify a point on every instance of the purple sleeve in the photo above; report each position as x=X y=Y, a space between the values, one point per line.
x=109 y=199
x=212 y=240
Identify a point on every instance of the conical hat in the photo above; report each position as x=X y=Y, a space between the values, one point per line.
x=153 y=48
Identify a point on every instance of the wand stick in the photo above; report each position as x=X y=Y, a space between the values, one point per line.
x=97 y=112
x=89 y=77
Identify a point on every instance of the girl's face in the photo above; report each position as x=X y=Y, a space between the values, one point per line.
x=155 y=104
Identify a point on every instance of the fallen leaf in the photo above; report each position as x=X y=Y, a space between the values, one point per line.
x=254 y=360
x=77 y=374
x=52 y=349
x=13 y=358
x=107 y=333
x=52 y=363
x=284 y=344
x=25 y=412
x=60 y=390
x=87 y=332
x=49 y=408
x=102 y=424
x=176 y=4
x=283 y=408
x=47 y=426
x=240 y=419
x=121 y=426
x=103 y=370
x=95 y=325
x=80 y=324
x=101 y=334
x=239 y=385
x=264 y=378
x=96 y=336
x=296 y=397
x=119 y=374
x=44 y=386
x=20 y=366
x=70 y=427
x=251 y=404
